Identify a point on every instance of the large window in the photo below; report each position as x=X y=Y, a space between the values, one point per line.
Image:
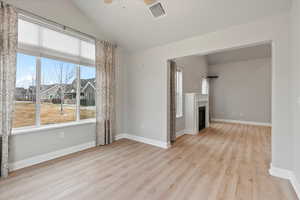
x=179 y=96
x=55 y=80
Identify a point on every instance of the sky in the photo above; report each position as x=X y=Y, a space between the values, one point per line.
x=50 y=70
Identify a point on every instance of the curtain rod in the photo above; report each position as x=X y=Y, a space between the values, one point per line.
x=30 y=14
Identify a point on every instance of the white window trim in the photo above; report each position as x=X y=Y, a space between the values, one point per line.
x=33 y=129
x=207 y=84
x=181 y=114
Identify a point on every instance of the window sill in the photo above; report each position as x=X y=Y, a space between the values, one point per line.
x=180 y=116
x=31 y=129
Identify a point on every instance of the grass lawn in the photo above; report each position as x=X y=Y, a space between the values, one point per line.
x=50 y=114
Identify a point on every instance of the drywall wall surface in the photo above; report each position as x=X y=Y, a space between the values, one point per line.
x=295 y=84
x=242 y=91
x=31 y=144
x=121 y=91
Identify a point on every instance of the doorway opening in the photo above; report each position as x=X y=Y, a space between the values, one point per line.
x=228 y=86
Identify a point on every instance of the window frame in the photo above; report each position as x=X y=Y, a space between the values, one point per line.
x=206 y=90
x=38 y=125
x=179 y=94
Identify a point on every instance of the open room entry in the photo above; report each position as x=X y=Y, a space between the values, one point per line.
x=231 y=85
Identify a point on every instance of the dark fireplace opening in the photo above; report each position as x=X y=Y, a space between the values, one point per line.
x=202 y=118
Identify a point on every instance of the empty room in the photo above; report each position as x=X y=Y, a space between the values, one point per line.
x=149 y=99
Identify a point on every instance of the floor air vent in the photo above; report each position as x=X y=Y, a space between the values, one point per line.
x=157 y=10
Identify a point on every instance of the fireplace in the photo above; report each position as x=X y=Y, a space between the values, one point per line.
x=202 y=118
x=196 y=113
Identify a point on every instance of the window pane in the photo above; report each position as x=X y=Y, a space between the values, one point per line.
x=25 y=91
x=87 y=94
x=58 y=92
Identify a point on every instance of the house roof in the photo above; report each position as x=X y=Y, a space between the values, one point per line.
x=70 y=88
x=85 y=82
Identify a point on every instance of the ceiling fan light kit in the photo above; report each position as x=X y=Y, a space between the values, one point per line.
x=149 y=2
x=156 y=8
x=108 y=1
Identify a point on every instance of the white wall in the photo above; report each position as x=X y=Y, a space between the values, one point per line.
x=148 y=80
x=242 y=91
x=194 y=69
x=31 y=144
x=295 y=85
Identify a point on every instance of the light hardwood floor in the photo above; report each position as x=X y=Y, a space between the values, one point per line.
x=226 y=161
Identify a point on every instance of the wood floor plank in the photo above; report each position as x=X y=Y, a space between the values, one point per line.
x=225 y=161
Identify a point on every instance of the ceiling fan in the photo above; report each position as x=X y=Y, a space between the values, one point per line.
x=147 y=2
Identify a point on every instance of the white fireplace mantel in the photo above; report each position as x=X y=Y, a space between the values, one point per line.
x=192 y=103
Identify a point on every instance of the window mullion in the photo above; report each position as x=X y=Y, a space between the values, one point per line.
x=78 y=93
x=38 y=92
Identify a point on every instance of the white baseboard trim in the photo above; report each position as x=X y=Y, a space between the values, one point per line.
x=156 y=143
x=296 y=185
x=180 y=133
x=49 y=156
x=286 y=174
x=190 y=132
x=241 y=122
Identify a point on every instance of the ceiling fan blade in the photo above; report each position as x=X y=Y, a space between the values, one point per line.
x=108 y=1
x=149 y=2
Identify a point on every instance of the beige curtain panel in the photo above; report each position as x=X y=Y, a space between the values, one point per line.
x=8 y=51
x=172 y=101
x=105 y=90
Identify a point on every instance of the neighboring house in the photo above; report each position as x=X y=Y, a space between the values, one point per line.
x=87 y=94
x=22 y=94
x=88 y=87
x=49 y=93
x=52 y=93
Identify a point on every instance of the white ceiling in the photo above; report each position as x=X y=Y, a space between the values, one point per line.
x=130 y=24
x=242 y=54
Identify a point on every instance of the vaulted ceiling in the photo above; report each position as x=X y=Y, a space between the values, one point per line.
x=130 y=23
